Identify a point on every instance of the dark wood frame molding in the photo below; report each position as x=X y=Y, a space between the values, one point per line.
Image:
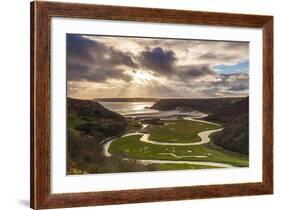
x=41 y=14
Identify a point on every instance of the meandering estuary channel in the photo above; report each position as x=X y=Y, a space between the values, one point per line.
x=145 y=137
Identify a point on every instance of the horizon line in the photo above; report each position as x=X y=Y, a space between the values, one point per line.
x=156 y=97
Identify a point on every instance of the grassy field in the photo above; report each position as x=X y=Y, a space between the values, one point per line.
x=179 y=131
x=182 y=130
x=167 y=167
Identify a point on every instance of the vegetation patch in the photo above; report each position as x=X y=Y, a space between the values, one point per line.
x=179 y=131
x=131 y=147
x=169 y=166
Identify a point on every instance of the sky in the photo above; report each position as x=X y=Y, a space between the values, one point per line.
x=128 y=67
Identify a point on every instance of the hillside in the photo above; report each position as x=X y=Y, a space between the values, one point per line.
x=93 y=119
x=235 y=136
x=228 y=113
x=233 y=113
x=88 y=124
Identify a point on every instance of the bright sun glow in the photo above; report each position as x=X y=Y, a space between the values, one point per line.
x=142 y=77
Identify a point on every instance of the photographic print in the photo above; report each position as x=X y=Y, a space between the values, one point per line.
x=154 y=104
x=133 y=105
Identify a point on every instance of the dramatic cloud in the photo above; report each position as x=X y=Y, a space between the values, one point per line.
x=192 y=71
x=159 y=60
x=233 y=82
x=187 y=51
x=163 y=62
x=93 y=61
x=99 y=66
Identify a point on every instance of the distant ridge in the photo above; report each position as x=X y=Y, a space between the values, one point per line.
x=125 y=99
x=207 y=105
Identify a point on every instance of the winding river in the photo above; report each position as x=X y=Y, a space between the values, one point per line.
x=204 y=136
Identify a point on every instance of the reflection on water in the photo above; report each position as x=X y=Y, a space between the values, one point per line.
x=141 y=110
x=130 y=108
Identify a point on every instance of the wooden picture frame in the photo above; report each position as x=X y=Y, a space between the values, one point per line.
x=41 y=14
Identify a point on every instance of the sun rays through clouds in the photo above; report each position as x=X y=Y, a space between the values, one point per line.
x=101 y=66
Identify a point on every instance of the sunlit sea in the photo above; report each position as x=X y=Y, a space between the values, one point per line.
x=130 y=108
x=141 y=109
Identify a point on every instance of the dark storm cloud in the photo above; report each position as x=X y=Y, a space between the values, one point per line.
x=92 y=61
x=79 y=47
x=191 y=71
x=159 y=60
x=163 y=62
